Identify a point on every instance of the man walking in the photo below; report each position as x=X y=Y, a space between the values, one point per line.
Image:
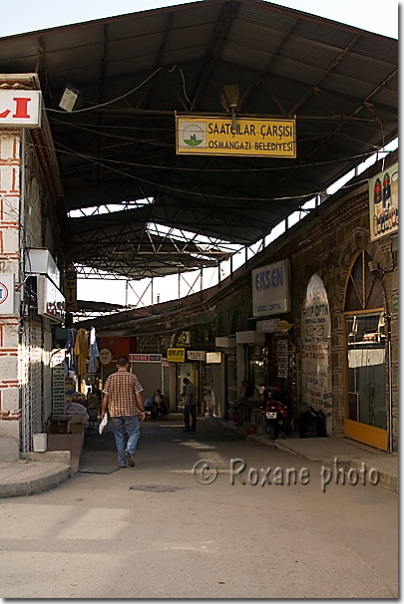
x=189 y=405
x=123 y=399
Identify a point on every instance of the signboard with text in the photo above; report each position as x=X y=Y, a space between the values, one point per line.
x=316 y=350
x=70 y=289
x=270 y=289
x=7 y=288
x=145 y=358
x=105 y=356
x=196 y=355
x=58 y=381
x=198 y=135
x=20 y=108
x=51 y=302
x=383 y=203
x=176 y=355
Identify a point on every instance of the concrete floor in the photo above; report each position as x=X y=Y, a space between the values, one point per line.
x=95 y=537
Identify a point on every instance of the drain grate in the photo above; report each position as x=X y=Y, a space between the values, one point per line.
x=155 y=488
x=98 y=470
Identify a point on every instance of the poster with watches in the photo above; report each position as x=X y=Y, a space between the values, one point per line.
x=383 y=203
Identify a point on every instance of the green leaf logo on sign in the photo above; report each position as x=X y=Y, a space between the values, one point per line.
x=193 y=135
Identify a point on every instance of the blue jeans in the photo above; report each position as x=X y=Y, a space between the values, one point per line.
x=130 y=424
x=190 y=410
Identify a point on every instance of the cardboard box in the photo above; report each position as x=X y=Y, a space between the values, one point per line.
x=76 y=428
x=77 y=418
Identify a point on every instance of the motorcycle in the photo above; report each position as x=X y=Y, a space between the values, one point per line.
x=278 y=413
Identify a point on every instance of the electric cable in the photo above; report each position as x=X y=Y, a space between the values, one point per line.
x=118 y=98
x=209 y=195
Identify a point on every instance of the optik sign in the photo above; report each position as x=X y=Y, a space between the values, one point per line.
x=270 y=289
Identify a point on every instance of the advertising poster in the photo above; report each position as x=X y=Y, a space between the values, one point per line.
x=316 y=350
x=383 y=203
x=58 y=381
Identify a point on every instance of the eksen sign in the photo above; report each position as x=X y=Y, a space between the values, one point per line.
x=20 y=108
x=270 y=289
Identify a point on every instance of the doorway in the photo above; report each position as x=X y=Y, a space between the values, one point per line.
x=366 y=417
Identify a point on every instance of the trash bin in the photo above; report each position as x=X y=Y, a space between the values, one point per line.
x=40 y=442
x=308 y=424
x=312 y=424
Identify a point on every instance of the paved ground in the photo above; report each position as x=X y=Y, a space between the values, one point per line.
x=154 y=532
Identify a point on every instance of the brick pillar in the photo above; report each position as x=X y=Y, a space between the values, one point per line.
x=10 y=379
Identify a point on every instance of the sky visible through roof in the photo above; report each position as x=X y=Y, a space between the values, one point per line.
x=371 y=15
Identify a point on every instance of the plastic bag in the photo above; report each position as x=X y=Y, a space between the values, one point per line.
x=103 y=423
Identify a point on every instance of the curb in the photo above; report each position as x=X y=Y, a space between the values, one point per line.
x=36 y=485
x=387 y=481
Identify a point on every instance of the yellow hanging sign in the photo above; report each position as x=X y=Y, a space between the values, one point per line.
x=251 y=137
x=176 y=355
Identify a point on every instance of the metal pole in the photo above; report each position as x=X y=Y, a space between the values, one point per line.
x=390 y=383
x=152 y=291
x=201 y=283
x=179 y=285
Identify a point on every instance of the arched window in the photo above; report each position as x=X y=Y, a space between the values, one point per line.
x=363 y=290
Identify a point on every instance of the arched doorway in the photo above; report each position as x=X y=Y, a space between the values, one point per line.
x=366 y=356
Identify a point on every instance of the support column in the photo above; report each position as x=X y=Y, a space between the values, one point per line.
x=10 y=348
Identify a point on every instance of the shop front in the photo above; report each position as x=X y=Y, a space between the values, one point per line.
x=229 y=391
x=368 y=360
x=272 y=363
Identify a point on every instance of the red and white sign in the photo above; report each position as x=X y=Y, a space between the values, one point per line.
x=20 y=108
x=196 y=355
x=51 y=302
x=105 y=356
x=145 y=358
x=7 y=294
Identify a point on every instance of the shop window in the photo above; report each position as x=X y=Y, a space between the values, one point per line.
x=366 y=369
x=366 y=346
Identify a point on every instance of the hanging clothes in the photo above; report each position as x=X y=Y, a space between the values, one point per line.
x=94 y=352
x=69 y=347
x=81 y=350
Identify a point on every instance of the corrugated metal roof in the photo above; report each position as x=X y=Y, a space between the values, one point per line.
x=283 y=61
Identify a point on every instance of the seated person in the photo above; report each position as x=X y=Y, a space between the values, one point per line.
x=248 y=400
x=161 y=403
x=150 y=404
